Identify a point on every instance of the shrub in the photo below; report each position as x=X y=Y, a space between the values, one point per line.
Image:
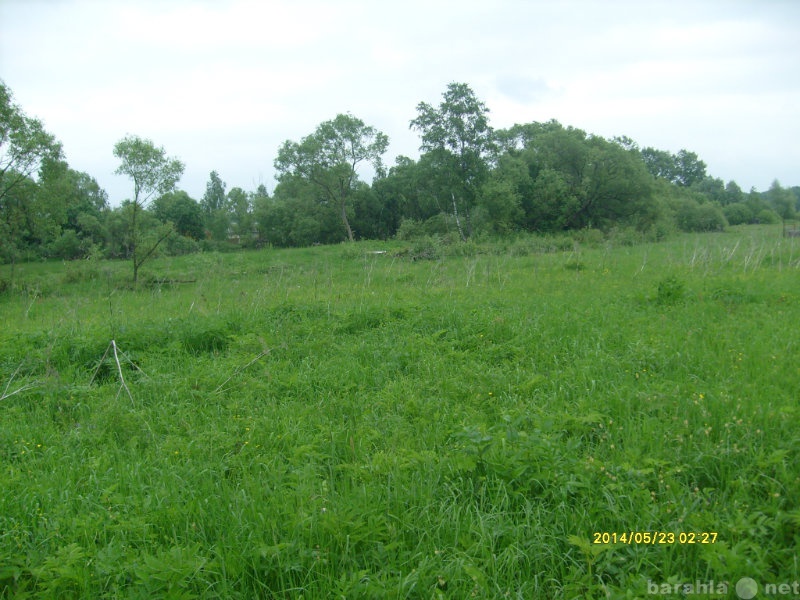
x=767 y=217
x=660 y=230
x=409 y=229
x=440 y=225
x=563 y=243
x=77 y=271
x=428 y=248
x=738 y=213
x=590 y=237
x=468 y=248
x=671 y=290
x=178 y=245
x=626 y=236
x=691 y=216
x=68 y=246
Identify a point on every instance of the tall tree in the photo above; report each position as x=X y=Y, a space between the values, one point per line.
x=733 y=193
x=182 y=211
x=684 y=168
x=567 y=179
x=24 y=144
x=25 y=149
x=213 y=203
x=691 y=169
x=73 y=202
x=214 y=198
x=153 y=173
x=328 y=159
x=458 y=136
x=239 y=211
x=782 y=201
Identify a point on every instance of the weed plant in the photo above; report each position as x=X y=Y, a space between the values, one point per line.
x=403 y=420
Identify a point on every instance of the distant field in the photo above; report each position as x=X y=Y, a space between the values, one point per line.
x=432 y=421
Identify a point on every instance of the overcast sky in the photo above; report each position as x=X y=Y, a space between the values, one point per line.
x=221 y=84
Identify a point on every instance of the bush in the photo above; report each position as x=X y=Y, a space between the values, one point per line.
x=738 y=213
x=351 y=251
x=428 y=248
x=660 y=230
x=68 y=246
x=440 y=225
x=409 y=229
x=590 y=237
x=178 y=245
x=691 y=216
x=626 y=236
x=468 y=248
x=78 y=271
x=671 y=290
x=767 y=217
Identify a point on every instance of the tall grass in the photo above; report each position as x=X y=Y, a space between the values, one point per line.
x=331 y=422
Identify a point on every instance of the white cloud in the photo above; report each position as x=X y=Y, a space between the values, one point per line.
x=222 y=84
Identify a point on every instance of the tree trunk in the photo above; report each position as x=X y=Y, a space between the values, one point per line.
x=133 y=246
x=346 y=222
x=455 y=214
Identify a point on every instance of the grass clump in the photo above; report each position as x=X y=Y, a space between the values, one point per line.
x=671 y=290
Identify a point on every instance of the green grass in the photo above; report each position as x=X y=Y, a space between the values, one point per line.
x=330 y=422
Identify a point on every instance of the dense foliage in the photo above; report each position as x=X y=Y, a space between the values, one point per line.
x=469 y=180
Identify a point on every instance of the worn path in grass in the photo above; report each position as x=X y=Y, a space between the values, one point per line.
x=336 y=422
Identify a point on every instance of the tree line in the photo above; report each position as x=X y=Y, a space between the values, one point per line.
x=469 y=180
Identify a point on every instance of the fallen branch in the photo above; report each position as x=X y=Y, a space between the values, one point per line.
x=240 y=369
x=113 y=347
x=6 y=394
x=170 y=281
x=121 y=378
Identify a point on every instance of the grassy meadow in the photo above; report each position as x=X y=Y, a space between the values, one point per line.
x=427 y=422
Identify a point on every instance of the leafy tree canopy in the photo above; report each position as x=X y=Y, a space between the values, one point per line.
x=458 y=136
x=214 y=198
x=153 y=173
x=328 y=159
